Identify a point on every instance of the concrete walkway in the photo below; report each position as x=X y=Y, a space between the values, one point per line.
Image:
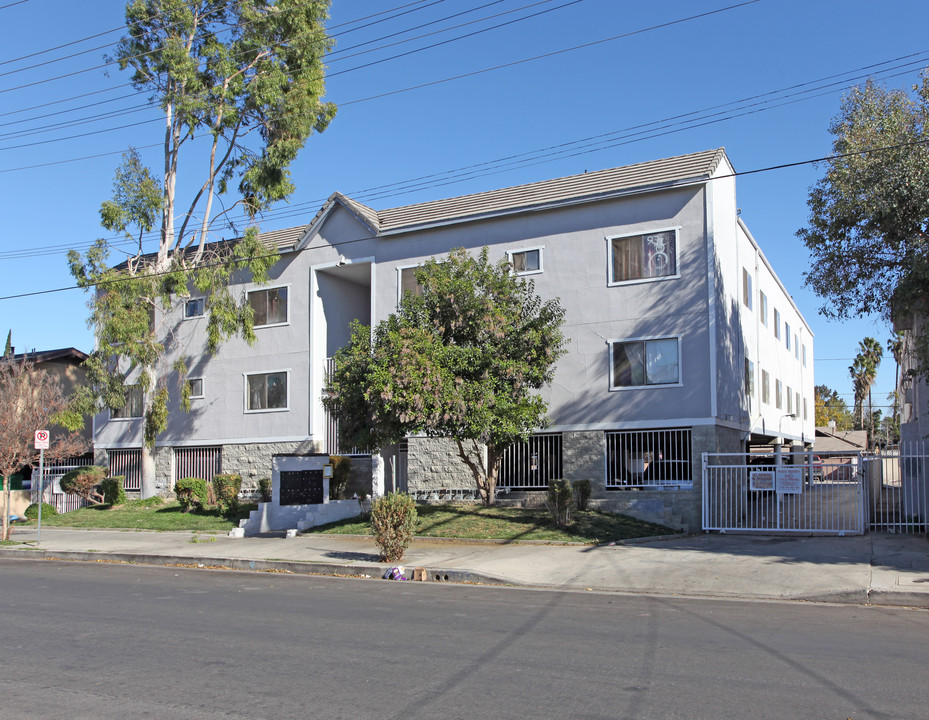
x=870 y=569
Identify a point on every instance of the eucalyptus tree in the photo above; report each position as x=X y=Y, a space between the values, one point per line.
x=240 y=85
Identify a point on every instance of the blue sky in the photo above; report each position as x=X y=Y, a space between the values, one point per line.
x=652 y=80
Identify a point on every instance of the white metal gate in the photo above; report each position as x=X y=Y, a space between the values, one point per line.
x=898 y=489
x=806 y=493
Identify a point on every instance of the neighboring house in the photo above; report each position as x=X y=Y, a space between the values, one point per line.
x=681 y=338
x=830 y=440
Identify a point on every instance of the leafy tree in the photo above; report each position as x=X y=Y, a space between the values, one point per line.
x=463 y=360
x=30 y=400
x=869 y=214
x=829 y=406
x=240 y=85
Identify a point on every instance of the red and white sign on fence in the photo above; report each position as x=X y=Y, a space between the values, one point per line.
x=41 y=439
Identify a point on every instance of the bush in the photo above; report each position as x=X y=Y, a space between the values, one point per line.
x=264 y=490
x=559 y=501
x=393 y=520
x=192 y=493
x=581 y=494
x=226 y=491
x=32 y=512
x=113 y=491
x=341 y=469
x=84 y=482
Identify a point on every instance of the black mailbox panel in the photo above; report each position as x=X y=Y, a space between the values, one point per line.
x=301 y=487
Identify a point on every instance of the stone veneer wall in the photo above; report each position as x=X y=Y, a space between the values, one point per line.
x=434 y=464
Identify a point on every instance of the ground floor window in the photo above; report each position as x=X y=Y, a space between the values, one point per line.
x=127 y=463
x=530 y=465
x=198 y=462
x=648 y=458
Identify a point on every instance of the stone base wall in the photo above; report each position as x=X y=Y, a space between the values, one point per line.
x=434 y=464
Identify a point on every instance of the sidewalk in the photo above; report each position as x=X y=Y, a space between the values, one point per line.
x=876 y=569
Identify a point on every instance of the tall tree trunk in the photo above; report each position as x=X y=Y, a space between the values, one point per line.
x=148 y=473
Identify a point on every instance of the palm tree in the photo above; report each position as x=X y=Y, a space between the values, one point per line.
x=858 y=372
x=895 y=346
x=870 y=352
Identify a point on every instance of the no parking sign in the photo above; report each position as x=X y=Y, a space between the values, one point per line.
x=41 y=439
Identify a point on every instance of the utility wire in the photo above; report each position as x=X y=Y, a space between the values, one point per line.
x=734 y=174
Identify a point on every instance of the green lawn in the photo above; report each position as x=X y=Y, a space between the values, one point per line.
x=150 y=514
x=507 y=523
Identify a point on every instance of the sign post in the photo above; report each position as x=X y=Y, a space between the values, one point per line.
x=41 y=444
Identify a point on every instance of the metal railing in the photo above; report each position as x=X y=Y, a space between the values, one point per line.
x=649 y=458
x=198 y=462
x=897 y=482
x=51 y=490
x=128 y=463
x=530 y=465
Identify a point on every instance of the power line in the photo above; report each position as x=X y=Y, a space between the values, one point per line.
x=769 y=168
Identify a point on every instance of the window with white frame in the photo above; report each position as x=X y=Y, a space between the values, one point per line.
x=804 y=409
x=133 y=406
x=796 y=347
x=787 y=335
x=777 y=394
x=526 y=262
x=645 y=362
x=797 y=403
x=790 y=400
x=777 y=324
x=194 y=307
x=269 y=306
x=408 y=282
x=196 y=387
x=648 y=458
x=746 y=288
x=763 y=307
x=749 y=378
x=643 y=257
x=804 y=356
x=765 y=387
x=266 y=391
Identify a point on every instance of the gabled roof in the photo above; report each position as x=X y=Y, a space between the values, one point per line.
x=573 y=189
x=831 y=440
x=37 y=356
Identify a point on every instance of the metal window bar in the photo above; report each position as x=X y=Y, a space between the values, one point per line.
x=198 y=462
x=51 y=492
x=530 y=465
x=649 y=458
x=127 y=463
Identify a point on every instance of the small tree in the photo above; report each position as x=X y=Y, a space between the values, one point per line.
x=85 y=482
x=30 y=400
x=393 y=521
x=464 y=360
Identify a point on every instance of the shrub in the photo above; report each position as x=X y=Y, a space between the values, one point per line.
x=84 y=482
x=32 y=512
x=341 y=469
x=581 y=494
x=393 y=520
x=264 y=490
x=191 y=493
x=226 y=491
x=559 y=501
x=113 y=491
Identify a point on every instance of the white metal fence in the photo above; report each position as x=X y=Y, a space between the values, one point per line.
x=802 y=494
x=648 y=458
x=897 y=485
x=51 y=490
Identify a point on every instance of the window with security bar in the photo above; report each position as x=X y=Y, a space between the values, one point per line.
x=530 y=465
x=648 y=458
x=198 y=462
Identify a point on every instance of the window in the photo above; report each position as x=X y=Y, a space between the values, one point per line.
x=777 y=394
x=643 y=257
x=639 y=363
x=790 y=401
x=804 y=409
x=765 y=387
x=132 y=408
x=198 y=462
x=777 y=324
x=266 y=391
x=787 y=335
x=797 y=403
x=796 y=347
x=193 y=308
x=269 y=306
x=531 y=464
x=526 y=262
x=196 y=387
x=749 y=378
x=763 y=307
x=648 y=458
x=804 y=356
x=408 y=282
x=746 y=289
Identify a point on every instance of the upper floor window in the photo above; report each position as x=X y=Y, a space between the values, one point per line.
x=193 y=308
x=643 y=257
x=765 y=387
x=269 y=306
x=804 y=356
x=790 y=400
x=777 y=394
x=796 y=347
x=749 y=378
x=777 y=324
x=408 y=282
x=746 y=288
x=787 y=335
x=133 y=407
x=266 y=391
x=196 y=387
x=640 y=363
x=526 y=262
x=763 y=307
